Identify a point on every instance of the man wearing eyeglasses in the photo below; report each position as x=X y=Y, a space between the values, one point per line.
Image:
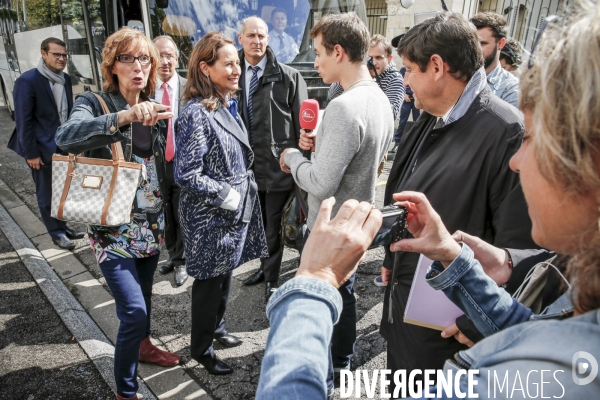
x=457 y=154
x=169 y=91
x=43 y=100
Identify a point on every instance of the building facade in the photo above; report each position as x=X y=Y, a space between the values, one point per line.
x=524 y=16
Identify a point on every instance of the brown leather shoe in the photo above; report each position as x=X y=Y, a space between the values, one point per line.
x=151 y=354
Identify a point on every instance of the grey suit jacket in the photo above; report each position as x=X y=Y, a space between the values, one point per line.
x=182 y=82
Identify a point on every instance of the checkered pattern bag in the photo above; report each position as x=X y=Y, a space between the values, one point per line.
x=95 y=191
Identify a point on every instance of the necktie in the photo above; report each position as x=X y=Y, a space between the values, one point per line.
x=170 y=151
x=252 y=89
x=281 y=54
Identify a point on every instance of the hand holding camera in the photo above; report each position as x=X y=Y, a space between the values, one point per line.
x=432 y=239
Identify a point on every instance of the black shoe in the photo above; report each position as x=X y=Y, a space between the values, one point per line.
x=64 y=243
x=71 y=234
x=215 y=365
x=229 y=340
x=270 y=289
x=166 y=268
x=180 y=275
x=395 y=148
x=255 y=278
x=330 y=393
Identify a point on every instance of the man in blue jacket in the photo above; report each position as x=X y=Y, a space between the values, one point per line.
x=43 y=101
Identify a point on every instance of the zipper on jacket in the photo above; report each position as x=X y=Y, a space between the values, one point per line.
x=460 y=361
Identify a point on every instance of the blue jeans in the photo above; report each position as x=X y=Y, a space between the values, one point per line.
x=130 y=281
x=407 y=107
x=302 y=314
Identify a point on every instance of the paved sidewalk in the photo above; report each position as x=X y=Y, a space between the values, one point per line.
x=40 y=358
x=171 y=316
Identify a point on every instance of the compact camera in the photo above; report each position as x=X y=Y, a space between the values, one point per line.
x=370 y=64
x=392 y=227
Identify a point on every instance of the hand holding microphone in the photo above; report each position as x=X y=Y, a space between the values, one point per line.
x=309 y=119
x=307 y=140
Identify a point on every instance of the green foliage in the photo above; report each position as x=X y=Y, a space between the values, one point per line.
x=42 y=13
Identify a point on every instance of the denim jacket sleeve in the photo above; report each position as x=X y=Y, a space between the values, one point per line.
x=490 y=307
x=87 y=128
x=302 y=313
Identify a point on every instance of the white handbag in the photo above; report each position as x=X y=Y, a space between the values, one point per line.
x=92 y=190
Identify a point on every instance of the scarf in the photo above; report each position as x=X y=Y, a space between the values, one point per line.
x=232 y=106
x=58 y=89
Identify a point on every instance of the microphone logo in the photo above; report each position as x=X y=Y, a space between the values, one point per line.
x=308 y=116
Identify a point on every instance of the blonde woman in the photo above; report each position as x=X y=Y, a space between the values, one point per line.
x=128 y=254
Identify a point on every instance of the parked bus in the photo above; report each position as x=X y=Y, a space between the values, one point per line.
x=85 y=24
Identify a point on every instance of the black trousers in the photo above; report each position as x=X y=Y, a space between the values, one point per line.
x=271 y=205
x=43 y=191
x=173 y=238
x=209 y=302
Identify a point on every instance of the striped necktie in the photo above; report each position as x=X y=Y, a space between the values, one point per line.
x=251 y=90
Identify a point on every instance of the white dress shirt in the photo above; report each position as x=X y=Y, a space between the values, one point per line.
x=248 y=73
x=173 y=87
x=288 y=51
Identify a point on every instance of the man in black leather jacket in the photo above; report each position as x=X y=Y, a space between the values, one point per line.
x=270 y=112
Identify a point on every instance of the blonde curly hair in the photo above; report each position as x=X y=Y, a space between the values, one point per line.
x=561 y=90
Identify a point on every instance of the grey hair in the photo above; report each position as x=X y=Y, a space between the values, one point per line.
x=170 y=39
x=243 y=23
x=562 y=91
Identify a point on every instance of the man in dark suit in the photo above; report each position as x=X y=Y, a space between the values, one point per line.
x=43 y=101
x=169 y=91
x=270 y=96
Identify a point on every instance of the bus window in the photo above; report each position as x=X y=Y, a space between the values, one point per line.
x=186 y=21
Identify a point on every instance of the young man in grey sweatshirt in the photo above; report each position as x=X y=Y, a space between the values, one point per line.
x=350 y=143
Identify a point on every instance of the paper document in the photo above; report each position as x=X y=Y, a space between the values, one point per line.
x=426 y=306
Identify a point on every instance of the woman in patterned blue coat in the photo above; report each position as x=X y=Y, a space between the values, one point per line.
x=219 y=213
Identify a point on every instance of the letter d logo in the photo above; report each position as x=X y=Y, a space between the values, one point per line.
x=582 y=367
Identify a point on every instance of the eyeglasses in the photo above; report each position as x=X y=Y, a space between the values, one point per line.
x=169 y=57
x=129 y=59
x=548 y=19
x=58 y=56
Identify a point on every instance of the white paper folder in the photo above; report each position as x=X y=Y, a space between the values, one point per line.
x=426 y=306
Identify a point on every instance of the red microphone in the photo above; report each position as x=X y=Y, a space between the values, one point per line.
x=309 y=117
x=309 y=114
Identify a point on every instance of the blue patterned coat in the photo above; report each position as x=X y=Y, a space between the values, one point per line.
x=213 y=155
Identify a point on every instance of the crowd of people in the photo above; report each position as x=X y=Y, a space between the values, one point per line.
x=224 y=151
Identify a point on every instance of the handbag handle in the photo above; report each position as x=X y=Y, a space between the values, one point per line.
x=116 y=148
x=117 y=158
x=301 y=202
